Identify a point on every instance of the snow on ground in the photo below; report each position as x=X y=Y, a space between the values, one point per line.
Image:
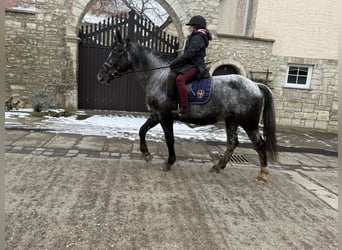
x=122 y=125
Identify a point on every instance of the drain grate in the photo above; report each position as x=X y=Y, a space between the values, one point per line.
x=235 y=158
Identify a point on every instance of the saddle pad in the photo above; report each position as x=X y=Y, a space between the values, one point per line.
x=199 y=91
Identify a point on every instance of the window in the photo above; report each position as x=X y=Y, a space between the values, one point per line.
x=298 y=76
x=24 y=5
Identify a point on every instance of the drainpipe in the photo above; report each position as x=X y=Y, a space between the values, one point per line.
x=246 y=19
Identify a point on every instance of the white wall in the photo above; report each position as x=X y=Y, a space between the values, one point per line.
x=306 y=28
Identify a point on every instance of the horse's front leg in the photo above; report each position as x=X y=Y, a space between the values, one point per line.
x=167 y=125
x=150 y=123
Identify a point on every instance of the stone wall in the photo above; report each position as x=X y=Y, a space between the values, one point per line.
x=236 y=51
x=42 y=45
x=316 y=107
x=36 y=52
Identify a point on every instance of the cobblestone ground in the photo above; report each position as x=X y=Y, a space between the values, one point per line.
x=67 y=191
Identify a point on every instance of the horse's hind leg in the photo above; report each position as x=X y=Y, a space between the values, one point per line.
x=259 y=146
x=232 y=142
x=150 y=123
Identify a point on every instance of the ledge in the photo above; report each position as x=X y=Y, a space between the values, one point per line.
x=71 y=38
x=246 y=38
x=21 y=11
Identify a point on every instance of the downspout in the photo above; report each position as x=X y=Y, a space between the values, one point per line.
x=246 y=19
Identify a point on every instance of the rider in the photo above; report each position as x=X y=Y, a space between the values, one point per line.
x=191 y=63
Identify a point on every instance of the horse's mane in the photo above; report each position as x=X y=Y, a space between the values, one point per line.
x=144 y=56
x=157 y=69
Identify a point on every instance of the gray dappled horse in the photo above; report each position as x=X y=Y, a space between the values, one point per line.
x=235 y=100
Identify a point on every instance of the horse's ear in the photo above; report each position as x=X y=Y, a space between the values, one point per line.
x=118 y=36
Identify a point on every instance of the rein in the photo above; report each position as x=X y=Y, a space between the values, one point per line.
x=143 y=70
x=146 y=70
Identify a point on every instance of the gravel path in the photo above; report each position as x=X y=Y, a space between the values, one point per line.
x=94 y=203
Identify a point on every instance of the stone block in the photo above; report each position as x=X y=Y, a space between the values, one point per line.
x=17 y=87
x=308 y=108
x=321 y=125
x=298 y=115
x=309 y=123
x=309 y=116
x=323 y=116
x=285 y=121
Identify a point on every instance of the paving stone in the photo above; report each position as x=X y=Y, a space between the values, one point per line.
x=69 y=145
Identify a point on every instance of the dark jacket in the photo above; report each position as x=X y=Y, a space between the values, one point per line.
x=193 y=56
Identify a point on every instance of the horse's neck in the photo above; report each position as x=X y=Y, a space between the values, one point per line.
x=149 y=61
x=149 y=64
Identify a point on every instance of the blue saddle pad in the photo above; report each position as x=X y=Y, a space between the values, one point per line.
x=199 y=91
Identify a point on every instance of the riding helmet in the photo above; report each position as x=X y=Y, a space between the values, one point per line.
x=198 y=20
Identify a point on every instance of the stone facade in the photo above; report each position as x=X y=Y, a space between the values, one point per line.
x=314 y=108
x=37 y=54
x=41 y=50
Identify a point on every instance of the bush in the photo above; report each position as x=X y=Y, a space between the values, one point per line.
x=41 y=102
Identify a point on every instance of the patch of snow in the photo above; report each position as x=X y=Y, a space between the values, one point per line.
x=89 y=18
x=119 y=126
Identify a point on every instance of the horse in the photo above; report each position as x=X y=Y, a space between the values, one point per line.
x=236 y=100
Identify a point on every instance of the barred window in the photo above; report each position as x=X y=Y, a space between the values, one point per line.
x=298 y=76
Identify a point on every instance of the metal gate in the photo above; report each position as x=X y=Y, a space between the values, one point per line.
x=124 y=93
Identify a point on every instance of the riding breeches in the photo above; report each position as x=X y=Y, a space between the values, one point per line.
x=181 y=81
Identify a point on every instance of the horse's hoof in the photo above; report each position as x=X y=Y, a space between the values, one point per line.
x=166 y=167
x=147 y=157
x=261 y=179
x=214 y=169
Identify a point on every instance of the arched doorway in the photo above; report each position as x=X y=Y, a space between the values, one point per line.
x=74 y=21
x=124 y=93
x=225 y=70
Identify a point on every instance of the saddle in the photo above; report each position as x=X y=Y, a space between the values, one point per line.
x=199 y=89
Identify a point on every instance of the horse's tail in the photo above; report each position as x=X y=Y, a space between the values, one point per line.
x=269 y=123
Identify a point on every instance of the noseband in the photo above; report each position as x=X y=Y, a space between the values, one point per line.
x=110 y=69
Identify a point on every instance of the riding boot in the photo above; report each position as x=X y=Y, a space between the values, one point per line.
x=171 y=81
x=183 y=110
x=183 y=96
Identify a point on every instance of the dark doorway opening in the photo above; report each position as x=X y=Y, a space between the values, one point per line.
x=225 y=70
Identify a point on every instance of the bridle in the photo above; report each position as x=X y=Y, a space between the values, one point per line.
x=115 y=73
x=110 y=68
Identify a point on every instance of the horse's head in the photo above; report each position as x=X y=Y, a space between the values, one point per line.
x=117 y=62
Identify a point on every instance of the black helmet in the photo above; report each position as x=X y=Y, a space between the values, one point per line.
x=198 y=20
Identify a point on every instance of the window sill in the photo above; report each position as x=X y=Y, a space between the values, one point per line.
x=23 y=11
x=245 y=37
x=296 y=87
